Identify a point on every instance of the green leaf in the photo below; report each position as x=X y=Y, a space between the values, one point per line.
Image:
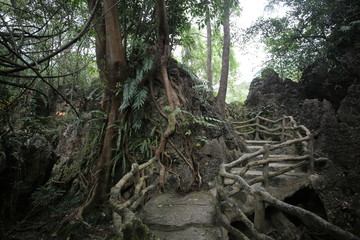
x=140 y=99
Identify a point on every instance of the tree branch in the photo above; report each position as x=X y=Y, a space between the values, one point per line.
x=40 y=76
x=59 y=50
x=21 y=86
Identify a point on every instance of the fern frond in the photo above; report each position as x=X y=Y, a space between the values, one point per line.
x=148 y=62
x=140 y=99
x=211 y=119
x=130 y=90
x=134 y=96
x=138 y=116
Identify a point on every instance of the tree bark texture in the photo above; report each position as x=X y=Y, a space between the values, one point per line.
x=209 y=51
x=221 y=97
x=115 y=73
x=100 y=47
x=163 y=51
x=163 y=48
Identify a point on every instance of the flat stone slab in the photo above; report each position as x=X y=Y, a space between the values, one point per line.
x=190 y=234
x=261 y=142
x=173 y=211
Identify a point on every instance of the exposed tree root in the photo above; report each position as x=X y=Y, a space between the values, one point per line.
x=226 y=224
x=188 y=162
x=139 y=184
x=235 y=206
x=311 y=220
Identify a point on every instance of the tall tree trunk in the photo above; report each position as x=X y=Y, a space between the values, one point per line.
x=100 y=46
x=163 y=52
x=209 y=50
x=221 y=97
x=163 y=48
x=116 y=73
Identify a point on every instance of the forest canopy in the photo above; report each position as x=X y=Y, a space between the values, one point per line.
x=91 y=93
x=310 y=30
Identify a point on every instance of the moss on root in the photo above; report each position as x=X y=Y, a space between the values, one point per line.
x=133 y=230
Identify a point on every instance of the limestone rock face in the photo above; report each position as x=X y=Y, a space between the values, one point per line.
x=349 y=110
x=330 y=81
x=271 y=93
x=328 y=103
x=320 y=118
x=337 y=132
x=25 y=165
x=212 y=155
x=337 y=137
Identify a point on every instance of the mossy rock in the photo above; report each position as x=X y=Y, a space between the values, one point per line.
x=136 y=230
x=268 y=72
x=133 y=230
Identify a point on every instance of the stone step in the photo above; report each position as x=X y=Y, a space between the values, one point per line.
x=272 y=167
x=260 y=142
x=174 y=216
x=252 y=173
x=272 y=156
x=200 y=233
x=278 y=180
x=254 y=148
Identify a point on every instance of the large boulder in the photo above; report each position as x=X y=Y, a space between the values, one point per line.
x=349 y=110
x=26 y=163
x=330 y=79
x=271 y=95
x=328 y=103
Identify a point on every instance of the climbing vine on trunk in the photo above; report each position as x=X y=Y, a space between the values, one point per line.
x=115 y=74
x=163 y=51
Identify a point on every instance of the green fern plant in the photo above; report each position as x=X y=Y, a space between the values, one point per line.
x=134 y=95
x=187 y=118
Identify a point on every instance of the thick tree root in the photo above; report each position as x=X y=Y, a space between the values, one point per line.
x=235 y=206
x=311 y=220
x=226 y=224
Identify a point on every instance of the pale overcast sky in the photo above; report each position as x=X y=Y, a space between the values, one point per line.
x=252 y=56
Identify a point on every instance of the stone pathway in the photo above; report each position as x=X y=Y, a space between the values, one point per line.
x=177 y=217
x=173 y=216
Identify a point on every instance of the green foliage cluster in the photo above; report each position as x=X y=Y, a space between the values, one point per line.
x=193 y=56
x=30 y=35
x=187 y=118
x=139 y=149
x=264 y=111
x=194 y=47
x=135 y=93
x=188 y=122
x=311 y=29
x=45 y=195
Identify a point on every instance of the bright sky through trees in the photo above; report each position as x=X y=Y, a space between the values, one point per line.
x=252 y=56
